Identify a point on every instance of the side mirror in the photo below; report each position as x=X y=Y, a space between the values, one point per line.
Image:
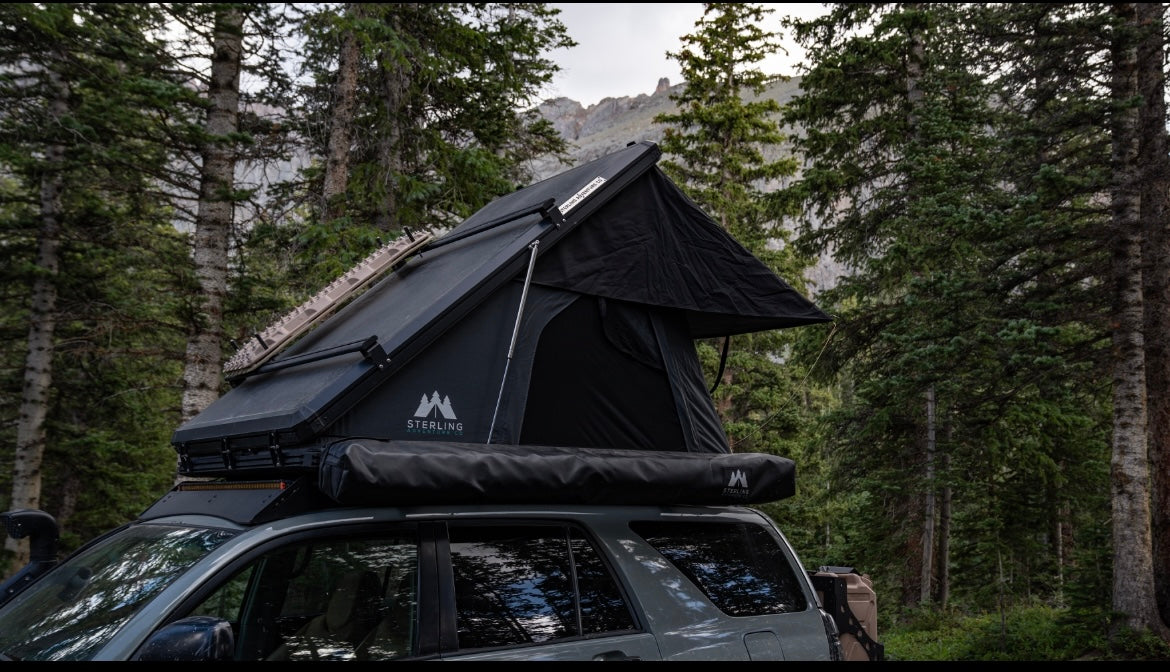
x=200 y=638
x=42 y=532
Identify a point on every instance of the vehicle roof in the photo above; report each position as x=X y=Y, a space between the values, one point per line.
x=259 y=502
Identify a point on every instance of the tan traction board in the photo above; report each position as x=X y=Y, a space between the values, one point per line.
x=262 y=347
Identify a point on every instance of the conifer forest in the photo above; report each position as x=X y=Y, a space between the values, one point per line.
x=983 y=428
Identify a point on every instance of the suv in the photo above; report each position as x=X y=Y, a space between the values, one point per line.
x=269 y=570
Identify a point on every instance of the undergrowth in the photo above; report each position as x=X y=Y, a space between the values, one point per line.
x=1037 y=633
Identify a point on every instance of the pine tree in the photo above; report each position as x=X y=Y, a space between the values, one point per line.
x=203 y=373
x=1133 y=567
x=1154 y=159
x=220 y=134
x=967 y=254
x=436 y=126
x=84 y=235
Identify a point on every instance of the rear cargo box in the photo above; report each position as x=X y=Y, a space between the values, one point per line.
x=850 y=599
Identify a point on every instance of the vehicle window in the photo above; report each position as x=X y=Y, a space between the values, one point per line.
x=227 y=601
x=351 y=599
x=603 y=609
x=73 y=611
x=739 y=566
x=531 y=584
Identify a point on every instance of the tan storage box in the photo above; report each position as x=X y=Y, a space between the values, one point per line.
x=850 y=599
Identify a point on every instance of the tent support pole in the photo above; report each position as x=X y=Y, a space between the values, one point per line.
x=515 y=334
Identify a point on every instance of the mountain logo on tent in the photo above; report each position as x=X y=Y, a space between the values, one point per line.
x=737 y=484
x=428 y=407
x=438 y=417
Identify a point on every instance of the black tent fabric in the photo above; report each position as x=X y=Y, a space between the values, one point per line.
x=562 y=314
x=658 y=248
x=611 y=373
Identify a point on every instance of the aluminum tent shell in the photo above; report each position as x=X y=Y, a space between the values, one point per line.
x=612 y=243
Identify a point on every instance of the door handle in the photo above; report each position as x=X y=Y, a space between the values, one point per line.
x=614 y=655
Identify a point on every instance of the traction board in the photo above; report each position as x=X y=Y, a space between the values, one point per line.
x=263 y=346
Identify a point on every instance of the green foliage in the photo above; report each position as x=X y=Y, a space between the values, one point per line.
x=974 y=272
x=1025 y=633
x=1028 y=632
x=101 y=479
x=438 y=120
x=1131 y=645
x=118 y=359
x=717 y=141
x=439 y=129
x=113 y=396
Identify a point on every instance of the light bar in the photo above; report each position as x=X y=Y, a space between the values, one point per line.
x=204 y=486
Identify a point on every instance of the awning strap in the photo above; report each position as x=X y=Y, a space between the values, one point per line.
x=722 y=364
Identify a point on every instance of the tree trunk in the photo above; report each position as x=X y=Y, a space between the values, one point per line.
x=914 y=98
x=396 y=91
x=1133 y=575
x=928 y=508
x=341 y=122
x=1058 y=541
x=204 y=361
x=38 y=364
x=944 y=538
x=911 y=551
x=1155 y=180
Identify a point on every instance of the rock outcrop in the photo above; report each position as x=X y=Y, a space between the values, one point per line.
x=615 y=122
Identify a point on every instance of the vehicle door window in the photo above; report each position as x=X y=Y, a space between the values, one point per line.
x=344 y=599
x=739 y=566
x=518 y=585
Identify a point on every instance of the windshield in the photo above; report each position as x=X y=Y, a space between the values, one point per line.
x=72 y=611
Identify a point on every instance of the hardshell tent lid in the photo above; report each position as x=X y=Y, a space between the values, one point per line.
x=563 y=314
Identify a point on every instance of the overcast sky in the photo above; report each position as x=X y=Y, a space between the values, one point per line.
x=621 y=47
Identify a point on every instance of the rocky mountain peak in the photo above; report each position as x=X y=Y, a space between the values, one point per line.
x=613 y=123
x=605 y=127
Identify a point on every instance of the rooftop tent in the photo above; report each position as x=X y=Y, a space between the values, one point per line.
x=563 y=314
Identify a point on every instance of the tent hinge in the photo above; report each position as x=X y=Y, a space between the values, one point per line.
x=546 y=209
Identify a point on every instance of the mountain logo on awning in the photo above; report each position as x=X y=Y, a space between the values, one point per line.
x=737 y=484
x=438 y=417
